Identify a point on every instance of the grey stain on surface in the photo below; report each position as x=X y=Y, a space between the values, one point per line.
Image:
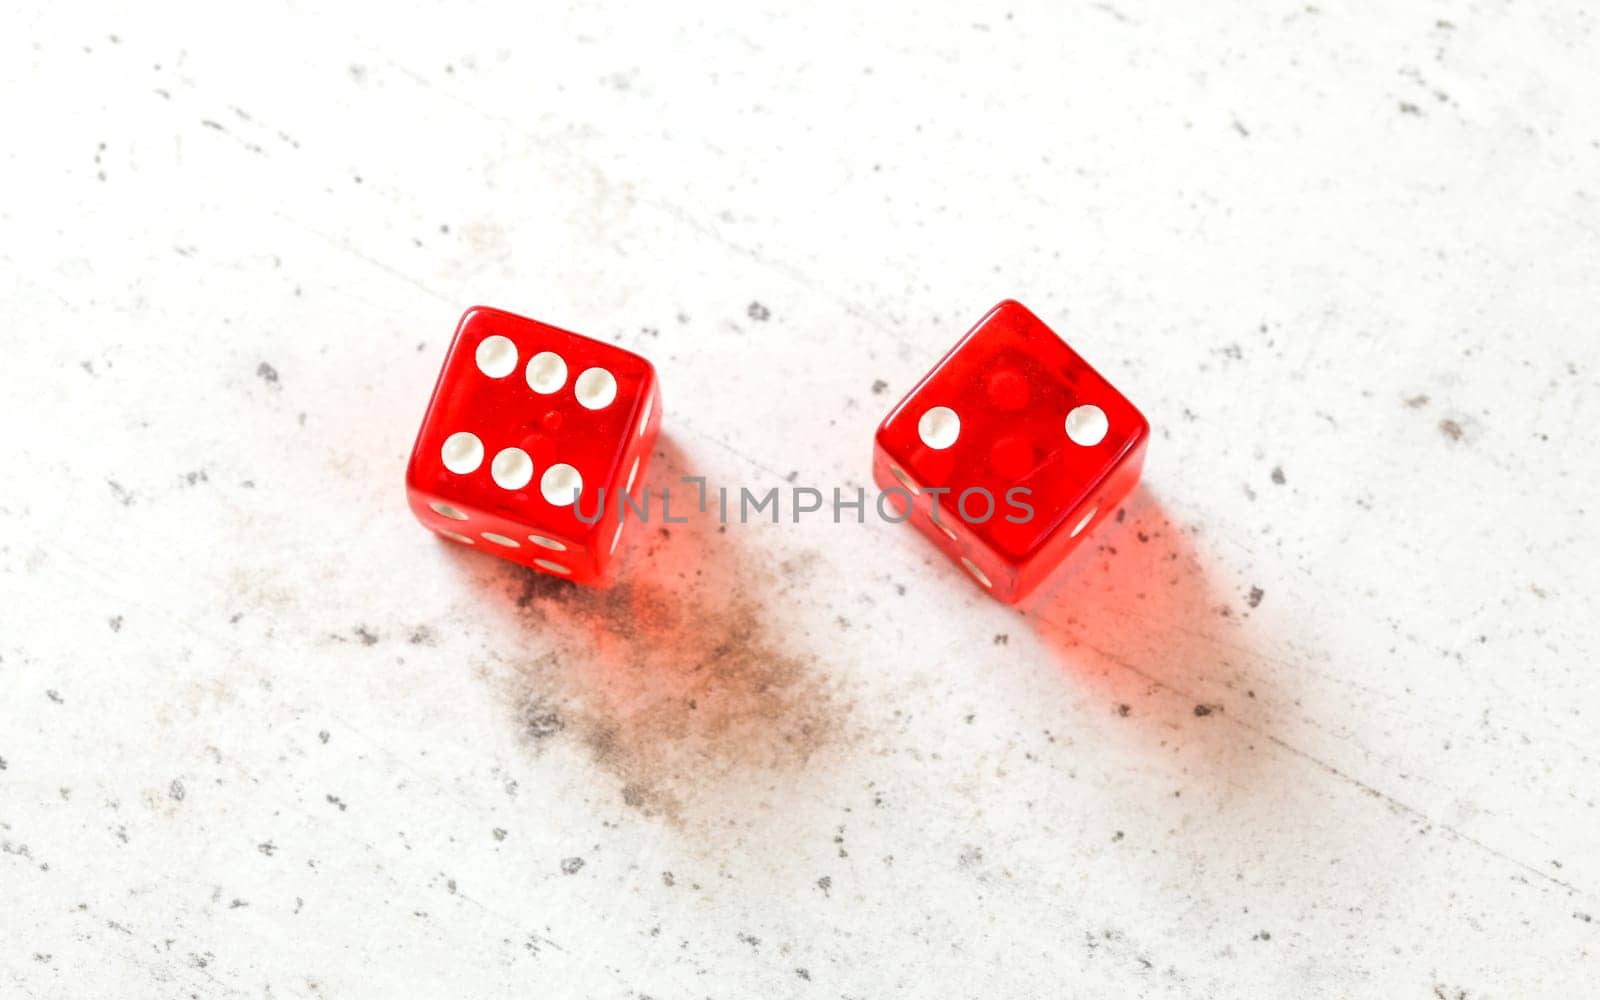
x=541 y=720
x=674 y=679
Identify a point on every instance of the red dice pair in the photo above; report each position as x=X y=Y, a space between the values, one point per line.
x=1005 y=454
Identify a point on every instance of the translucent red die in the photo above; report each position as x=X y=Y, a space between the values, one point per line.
x=532 y=438
x=1010 y=451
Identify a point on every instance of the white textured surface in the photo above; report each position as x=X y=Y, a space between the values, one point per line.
x=1317 y=718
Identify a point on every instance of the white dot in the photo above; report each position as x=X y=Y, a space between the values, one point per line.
x=549 y=543
x=1087 y=425
x=595 y=388
x=553 y=567
x=497 y=357
x=905 y=480
x=546 y=372
x=561 y=484
x=644 y=419
x=462 y=453
x=939 y=428
x=512 y=469
x=510 y=543
x=977 y=574
x=632 y=473
x=1085 y=522
x=456 y=536
x=618 y=536
x=447 y=511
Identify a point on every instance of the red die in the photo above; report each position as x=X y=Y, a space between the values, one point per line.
x=531 y=439
x=1010 y=448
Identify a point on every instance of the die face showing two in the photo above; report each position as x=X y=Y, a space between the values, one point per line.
x=1011 y=448
x=531 y=439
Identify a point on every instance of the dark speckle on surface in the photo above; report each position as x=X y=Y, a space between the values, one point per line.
x=1202 y=711
x=499 y=833
x=267 y=373
x=542 y=720
x=1451 y=429
x=879 y=386
x=1256 y=594
x=1277 y=475
x=571 y=866
x=758 y=312
x=115 y=621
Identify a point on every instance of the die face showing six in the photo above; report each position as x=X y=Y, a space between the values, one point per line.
x=528 y=428
x=1011 y=407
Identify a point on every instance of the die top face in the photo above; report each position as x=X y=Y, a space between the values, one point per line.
x=1011 y=405
x=527 y=423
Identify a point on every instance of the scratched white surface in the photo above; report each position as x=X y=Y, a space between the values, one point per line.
x=1316 y=718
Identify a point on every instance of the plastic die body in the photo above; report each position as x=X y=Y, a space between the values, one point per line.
x=1011 y=450
x=531 y=439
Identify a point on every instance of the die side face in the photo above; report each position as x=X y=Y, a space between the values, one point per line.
x=1012 y=407
x=532 y=435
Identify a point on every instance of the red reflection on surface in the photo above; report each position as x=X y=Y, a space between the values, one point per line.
x=1136 y=615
